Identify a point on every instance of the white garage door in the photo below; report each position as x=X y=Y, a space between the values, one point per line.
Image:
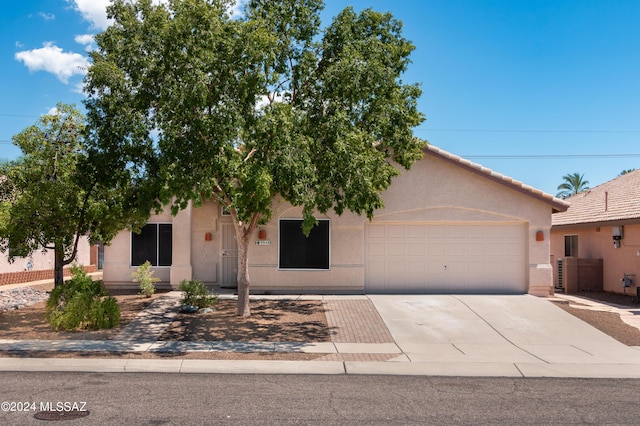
x=445 y=258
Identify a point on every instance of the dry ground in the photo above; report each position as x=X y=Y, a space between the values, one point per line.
x=271 y=320
x=29 y=323
x=608 y=322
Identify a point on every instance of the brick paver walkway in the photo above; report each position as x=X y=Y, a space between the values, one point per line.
x=355 y=320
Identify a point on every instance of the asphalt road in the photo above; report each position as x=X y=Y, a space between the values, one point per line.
x=185 y=399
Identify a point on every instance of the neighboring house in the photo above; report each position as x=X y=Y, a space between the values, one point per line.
x=597 y=240
x=448 y=226
x=39 y=265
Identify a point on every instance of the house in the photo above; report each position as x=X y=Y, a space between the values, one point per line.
x=39 y=266
x=448 y=226
x=595 y=243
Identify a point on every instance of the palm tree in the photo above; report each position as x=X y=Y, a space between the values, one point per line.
x=573 y=184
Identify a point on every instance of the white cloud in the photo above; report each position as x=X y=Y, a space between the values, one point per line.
x=87 y=40
x=84 y=39
x=47 y=16
x=52 y=111
x=94 y=11
x=52 y=59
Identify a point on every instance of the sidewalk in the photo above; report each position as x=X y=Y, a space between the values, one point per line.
x=372 y=337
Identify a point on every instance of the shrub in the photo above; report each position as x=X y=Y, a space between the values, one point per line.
x=197 y=294
x=81 y=303
x=144 y=276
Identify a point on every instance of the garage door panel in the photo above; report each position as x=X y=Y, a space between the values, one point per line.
x=376 y=267
x=376 y=231
x=494 y=269
x=446 y=258
x=416 y=249
x=395 y=249
x=512 y=248
x=396 y=270
x=434 y=231
x=455 y=231
x=416 y=268
x=476 y=249
x=376 y=248
x=436 y=247
x=416 y=231
x=396 y=231
x=456 y=248
x=475 y=231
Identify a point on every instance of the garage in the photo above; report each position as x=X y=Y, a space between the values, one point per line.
x=444 y=257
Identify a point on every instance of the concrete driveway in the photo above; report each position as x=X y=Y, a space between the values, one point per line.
x=525 y=332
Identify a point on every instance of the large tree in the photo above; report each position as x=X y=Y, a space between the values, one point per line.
x=573 y=183
x=243 y=110
x=54 y=195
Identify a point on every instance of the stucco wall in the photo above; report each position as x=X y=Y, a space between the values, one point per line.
x=596 y=242
x=117 y=267
x=41 y=261
x=346 y=271
x=433 y=191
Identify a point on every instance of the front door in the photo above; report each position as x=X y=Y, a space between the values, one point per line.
x=229 y=257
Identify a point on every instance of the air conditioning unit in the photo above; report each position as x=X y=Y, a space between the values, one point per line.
x=559 y=275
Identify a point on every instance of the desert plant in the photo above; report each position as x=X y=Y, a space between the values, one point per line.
x=81 y=303
x=197 y=294
x=144 y=276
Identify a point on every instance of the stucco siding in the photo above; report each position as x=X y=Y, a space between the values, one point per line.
x=117 y=267
x=40 y=261
x=596 y=242
x=434 y=191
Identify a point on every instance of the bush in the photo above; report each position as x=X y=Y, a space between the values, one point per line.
x=81 y=303
x=196 y=294
x=144 y=276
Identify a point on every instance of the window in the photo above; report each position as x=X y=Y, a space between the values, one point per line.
x=153 y=243
x=300 y=252
x=571 y=246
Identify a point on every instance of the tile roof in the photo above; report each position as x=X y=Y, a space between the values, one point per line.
x=618 y=199
x=557 y=204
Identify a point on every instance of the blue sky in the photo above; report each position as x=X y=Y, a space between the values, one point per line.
x=533 y=89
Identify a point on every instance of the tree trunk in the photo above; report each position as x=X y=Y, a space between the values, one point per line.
x=58 y=267
x=243 y=275
x=243 y=233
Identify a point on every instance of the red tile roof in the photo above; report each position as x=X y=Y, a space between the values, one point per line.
x=616 y=200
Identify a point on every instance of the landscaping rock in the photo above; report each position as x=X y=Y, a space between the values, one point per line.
x=20 y=297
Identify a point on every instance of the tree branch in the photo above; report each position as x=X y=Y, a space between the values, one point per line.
x=250 y=154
